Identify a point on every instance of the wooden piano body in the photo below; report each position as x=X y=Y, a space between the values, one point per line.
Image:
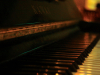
x=29 y=25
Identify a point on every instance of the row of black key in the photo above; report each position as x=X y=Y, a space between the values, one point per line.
x=61 y=58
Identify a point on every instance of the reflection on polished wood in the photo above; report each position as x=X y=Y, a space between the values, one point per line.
x=91 y=65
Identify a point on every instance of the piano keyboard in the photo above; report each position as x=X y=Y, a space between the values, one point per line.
x=60 y=58
x=91 y=65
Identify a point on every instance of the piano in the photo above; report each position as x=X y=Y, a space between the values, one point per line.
x=45 y=37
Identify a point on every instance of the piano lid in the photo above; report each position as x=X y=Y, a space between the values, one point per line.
x=22 y=12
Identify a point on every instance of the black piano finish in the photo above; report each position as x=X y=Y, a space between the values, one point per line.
x=29 y=24
x=31 y=33
x=23 y=12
